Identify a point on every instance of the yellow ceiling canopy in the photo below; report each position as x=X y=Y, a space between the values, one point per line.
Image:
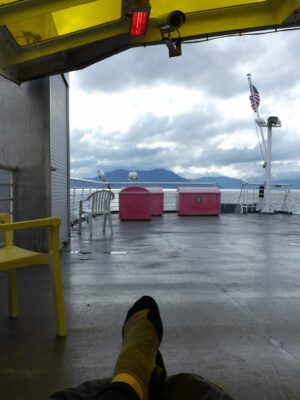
x=43 y=37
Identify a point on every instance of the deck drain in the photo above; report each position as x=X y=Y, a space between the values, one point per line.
x=115 y=252
x=80 y=252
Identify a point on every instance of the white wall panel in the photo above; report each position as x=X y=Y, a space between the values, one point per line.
x=59 y=150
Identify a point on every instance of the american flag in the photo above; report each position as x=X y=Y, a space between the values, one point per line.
x=254 y=98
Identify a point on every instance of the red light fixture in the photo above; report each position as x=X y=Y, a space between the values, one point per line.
x=139 y=18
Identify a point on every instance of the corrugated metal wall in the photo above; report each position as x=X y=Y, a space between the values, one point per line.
x=24 y=143
x=59 y=152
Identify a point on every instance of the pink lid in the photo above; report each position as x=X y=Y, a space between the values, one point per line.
x=198 y=190
x=134 y=189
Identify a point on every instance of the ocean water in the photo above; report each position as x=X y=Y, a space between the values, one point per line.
x=228 y=196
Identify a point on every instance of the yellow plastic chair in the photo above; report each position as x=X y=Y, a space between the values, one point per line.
x=13 y=257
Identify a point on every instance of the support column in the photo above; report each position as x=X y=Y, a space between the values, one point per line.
x=268 y=209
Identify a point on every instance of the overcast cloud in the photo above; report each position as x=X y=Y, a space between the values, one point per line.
x=190 y=114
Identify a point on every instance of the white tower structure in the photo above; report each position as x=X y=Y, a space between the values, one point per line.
x=273 y=122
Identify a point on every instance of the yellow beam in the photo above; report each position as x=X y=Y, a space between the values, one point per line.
x=286 y=8
x=160 y=8
x=28 y=9
x=84 y=47
x=237 y=19
x=37 y=29
x=197 y=25
x=65 y=43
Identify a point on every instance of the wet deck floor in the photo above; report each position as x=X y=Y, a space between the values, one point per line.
x=228 y=289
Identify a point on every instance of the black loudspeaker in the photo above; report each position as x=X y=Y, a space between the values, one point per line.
x=176 y=19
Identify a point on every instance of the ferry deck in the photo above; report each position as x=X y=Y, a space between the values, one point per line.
x=228 y=288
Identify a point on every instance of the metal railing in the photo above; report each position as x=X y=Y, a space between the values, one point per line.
x=82 y=188
x=251 y=198
x=242 y=200
x=7 y=191
x=7 y=188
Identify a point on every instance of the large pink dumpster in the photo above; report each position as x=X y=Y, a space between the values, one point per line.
x=156 y=200
x=134 y=204
x=198 y=201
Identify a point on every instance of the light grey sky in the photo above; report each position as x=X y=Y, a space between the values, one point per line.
x=191 y=114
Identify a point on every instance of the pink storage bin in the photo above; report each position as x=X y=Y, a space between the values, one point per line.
x=156 y=200
x=198 y=201
x=134 y=204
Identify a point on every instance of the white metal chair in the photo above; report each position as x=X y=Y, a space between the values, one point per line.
x=97 y=203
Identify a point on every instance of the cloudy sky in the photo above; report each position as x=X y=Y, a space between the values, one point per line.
x=191 y=114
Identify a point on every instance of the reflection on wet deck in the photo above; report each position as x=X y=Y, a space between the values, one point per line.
x=228 y=288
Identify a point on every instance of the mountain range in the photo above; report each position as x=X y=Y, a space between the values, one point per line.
x=164 y=175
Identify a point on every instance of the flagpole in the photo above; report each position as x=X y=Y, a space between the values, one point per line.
x=272 y=122
x=266 y=155
x=268 y=205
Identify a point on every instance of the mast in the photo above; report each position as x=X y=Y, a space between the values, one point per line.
x=268 y=206
x=266 y=150
x=273 y=122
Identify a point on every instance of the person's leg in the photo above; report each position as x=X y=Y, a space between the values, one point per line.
x=136 y=371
